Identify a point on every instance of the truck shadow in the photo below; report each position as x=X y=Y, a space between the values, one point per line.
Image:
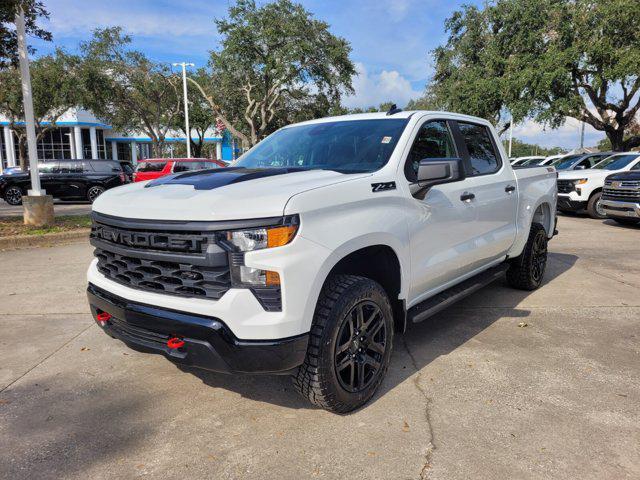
x=420 y=345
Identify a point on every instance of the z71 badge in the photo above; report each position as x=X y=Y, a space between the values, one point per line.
x=382 y=187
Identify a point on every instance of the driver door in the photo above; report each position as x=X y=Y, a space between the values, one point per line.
x=443 y=232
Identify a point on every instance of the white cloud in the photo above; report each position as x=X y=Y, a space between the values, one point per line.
x=398 y=8
x=566 y=136
x=374 y=89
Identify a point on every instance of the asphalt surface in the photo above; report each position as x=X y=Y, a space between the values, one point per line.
x=504 y=385
x=59 y=207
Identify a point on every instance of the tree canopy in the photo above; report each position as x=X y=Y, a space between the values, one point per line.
x=276 y=63
x=33 y=11
x=548 y=59
x=54 y=92
x=128 y=90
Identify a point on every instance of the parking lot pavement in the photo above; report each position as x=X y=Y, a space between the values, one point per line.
x=507 y=384
x=59 y=208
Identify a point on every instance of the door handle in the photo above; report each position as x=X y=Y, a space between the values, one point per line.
x=467 y=197
x=509 y=188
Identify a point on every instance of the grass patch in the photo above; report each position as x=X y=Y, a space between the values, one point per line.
x=11 y=226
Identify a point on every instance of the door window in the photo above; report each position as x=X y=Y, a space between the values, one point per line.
x=482 y=153
x=191 y=166
x=151 y=166
x=432 y=141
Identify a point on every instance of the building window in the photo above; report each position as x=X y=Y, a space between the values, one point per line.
x=86 y=143
x=124 y=151
x=55 y=144
x=102 y=149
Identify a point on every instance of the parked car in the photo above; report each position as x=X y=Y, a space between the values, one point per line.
x=621 y=196
x=550 y=159
x=531 y=162
x=580 y=161
x=317 y=246
x=517 y=162
x=582 y=189
x=65 y=180
x=12 y=170
x=153 y=168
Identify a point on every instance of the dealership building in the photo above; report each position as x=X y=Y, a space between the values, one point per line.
x=80 y=135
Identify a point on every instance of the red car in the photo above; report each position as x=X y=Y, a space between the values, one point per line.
x=153 y=168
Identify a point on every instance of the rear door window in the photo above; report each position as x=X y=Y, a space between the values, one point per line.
x=191 y=166
x=106 y=167
x=483 y=156
x=151 y=166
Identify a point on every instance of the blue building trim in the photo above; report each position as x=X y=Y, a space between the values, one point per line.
x=65 y=124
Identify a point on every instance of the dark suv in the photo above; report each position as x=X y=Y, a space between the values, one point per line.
x=66 y=180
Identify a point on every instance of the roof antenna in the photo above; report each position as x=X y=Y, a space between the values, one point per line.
x=393 y=110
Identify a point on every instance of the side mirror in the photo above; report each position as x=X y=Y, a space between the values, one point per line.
x=435 y=171
x=580 y=167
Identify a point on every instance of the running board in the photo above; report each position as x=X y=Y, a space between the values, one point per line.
x=442 y=300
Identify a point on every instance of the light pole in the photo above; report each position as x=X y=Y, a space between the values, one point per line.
x=38 y=206
x=184 y=66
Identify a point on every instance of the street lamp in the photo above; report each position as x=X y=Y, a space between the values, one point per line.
x=38 y=206
x=184 y=66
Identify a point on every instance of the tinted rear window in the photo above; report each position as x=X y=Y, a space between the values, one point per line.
x=106 y=167
x=191 y=166
x=150 y=166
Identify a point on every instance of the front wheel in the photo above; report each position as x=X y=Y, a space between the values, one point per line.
x=94 y=192
x=350 y=344
x=594 y=208
x=527 y=270
x=13 y=196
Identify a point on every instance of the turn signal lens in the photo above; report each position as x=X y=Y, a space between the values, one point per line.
x=582 y=181
x=279 y=236
x=272 y=279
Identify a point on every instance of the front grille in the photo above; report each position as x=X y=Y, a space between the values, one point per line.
x=565 y=186
x=166 y=259
x=164 y=277
x=622 y=191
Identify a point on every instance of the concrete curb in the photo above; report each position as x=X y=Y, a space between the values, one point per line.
x=18 y=242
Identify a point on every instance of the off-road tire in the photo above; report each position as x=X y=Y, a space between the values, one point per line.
x=592 y=207
x=625 y=221
x=317 y=378
x=523 y=271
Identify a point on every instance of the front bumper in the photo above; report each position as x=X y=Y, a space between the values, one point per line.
x=565 y=202
x=621 y=209
x=208 y=343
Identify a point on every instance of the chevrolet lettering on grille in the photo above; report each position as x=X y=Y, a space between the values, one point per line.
x=182 y=243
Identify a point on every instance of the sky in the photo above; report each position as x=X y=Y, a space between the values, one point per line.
x=391 y=42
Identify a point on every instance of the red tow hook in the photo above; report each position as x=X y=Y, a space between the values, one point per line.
x=174 y=343
x=103 y=318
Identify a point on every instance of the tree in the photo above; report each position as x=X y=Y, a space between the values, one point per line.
x=53 y=84
x=201 y=116
x=126 y=89
x=523 y=149
x=548 y=59
x=33 y=11
x=273 y=61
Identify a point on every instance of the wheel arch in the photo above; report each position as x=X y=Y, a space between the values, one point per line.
x=542 y=215
x=380 y=262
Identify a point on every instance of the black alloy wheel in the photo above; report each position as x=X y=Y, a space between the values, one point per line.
x=362 y=341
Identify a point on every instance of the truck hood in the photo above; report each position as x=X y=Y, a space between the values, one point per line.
x=222 y=194
x=587 y=173
x=630 y=175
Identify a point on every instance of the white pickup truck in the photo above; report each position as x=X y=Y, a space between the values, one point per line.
x=315 y=247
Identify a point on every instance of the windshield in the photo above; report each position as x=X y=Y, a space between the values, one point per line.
x=616 y=162
x=531 y=161
x=565 y=162
x=344 y=146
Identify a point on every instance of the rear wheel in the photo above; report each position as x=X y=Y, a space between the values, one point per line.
x=594 y=209
x=349 y=345
x=94 y=192
x=13 y=196
x=527 y=270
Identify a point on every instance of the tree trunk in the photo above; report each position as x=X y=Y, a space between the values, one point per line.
x=616 y=137
x=22 y=152
x=196 y=149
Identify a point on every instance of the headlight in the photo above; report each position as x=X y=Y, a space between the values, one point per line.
x=257 y=239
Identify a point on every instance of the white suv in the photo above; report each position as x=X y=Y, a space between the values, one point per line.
x=582 y=189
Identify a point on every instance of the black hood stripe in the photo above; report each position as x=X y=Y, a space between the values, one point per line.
x=211 y=179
